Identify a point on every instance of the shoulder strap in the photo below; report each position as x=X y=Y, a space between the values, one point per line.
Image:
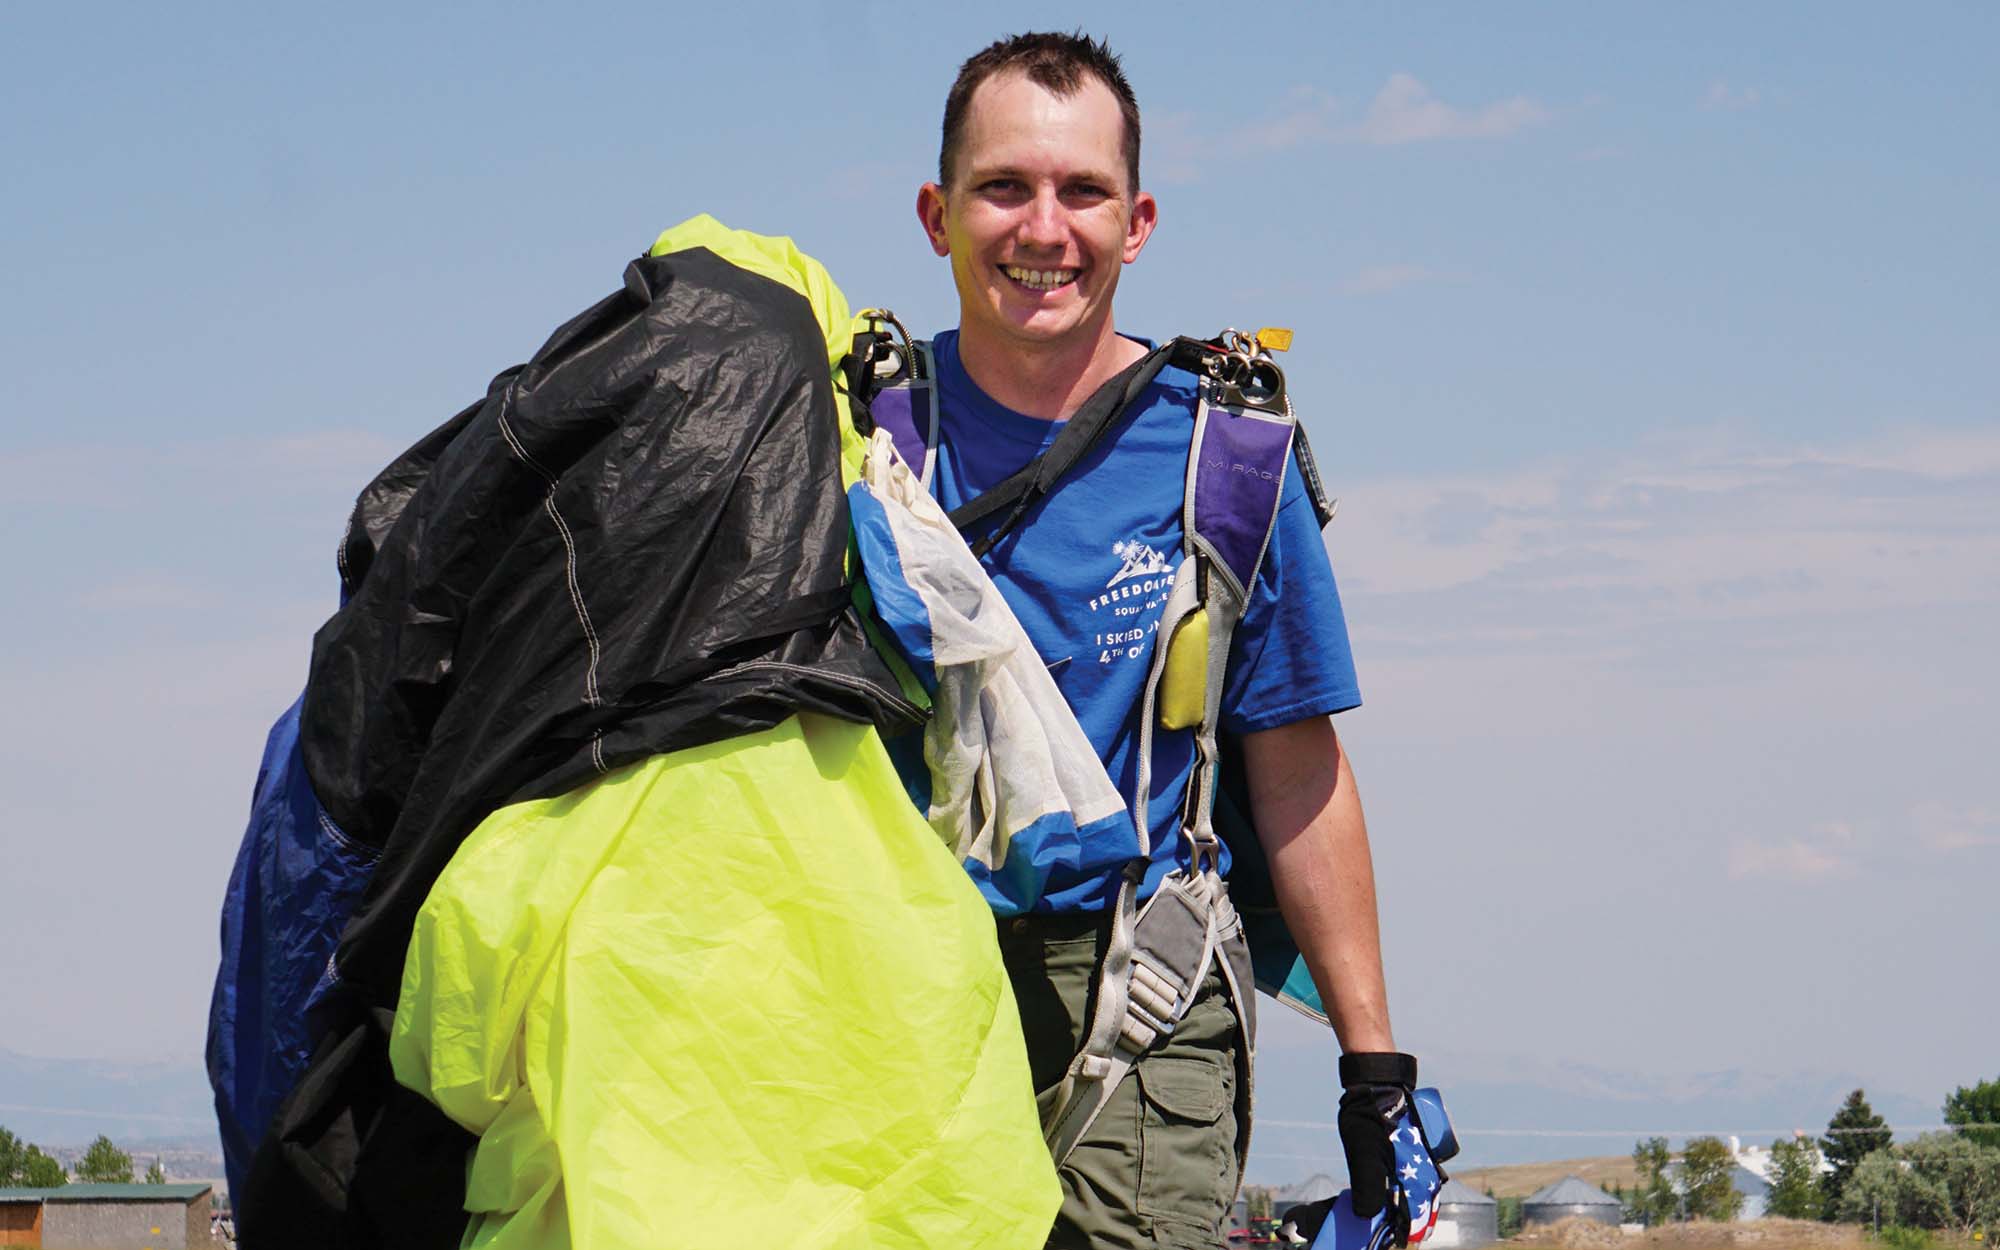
x=897 y=389
x=1236 y=478
x=1083 y=431
x=895 y=385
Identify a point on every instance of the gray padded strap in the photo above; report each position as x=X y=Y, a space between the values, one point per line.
x=1098 y=1067
x=1233 y=950
x=1156 y=960
x=1164 y=958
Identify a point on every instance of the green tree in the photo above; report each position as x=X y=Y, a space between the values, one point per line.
x=13 y=1156
x=104 y=1163
x=1653 y=1201
x=1854 y=1133
x=1973 y=1111
x=41 y=1171
x=156 y=1175
x=1958 y=1181
x=1795 y=1188
x=1940 y=1180
x=1259 y=1206
x=1874 y=1193
x=1507 y=1216
x=24 y=1164
x=1708 y=1185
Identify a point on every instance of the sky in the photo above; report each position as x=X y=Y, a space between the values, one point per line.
x=1650 y=351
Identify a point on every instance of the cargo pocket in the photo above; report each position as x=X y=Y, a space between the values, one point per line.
x=1187 y=1141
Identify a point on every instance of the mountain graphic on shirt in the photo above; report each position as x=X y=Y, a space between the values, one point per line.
x=1140 y=561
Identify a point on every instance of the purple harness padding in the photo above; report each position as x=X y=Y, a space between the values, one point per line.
x=1239 y=474
x=1239 y=471
x=895 y=409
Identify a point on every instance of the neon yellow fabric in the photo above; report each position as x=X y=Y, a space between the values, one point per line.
x=735 y=993
x=776 y=257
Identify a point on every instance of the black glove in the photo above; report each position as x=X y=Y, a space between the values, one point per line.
x=1375 y=1104
x=1302 y=1223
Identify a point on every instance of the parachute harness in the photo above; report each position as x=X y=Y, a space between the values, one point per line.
x=1244 y=437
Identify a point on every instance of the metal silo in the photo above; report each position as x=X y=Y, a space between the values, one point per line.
x=1466 y=1218
x=1570 y=1198
x=1315 y=1188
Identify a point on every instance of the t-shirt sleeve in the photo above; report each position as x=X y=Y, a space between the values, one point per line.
x=1290 y=659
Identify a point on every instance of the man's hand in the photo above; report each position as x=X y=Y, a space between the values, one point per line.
x=1389 y=1164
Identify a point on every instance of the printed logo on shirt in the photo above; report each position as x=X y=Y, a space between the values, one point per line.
x=1131 y=601
x=1140 y=561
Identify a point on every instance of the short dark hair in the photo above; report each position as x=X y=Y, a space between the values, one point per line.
x=1056 y=62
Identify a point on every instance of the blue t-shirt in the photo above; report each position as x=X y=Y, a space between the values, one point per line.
x=1088 y=570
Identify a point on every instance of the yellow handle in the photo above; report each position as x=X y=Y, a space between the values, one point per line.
x=1184 y=685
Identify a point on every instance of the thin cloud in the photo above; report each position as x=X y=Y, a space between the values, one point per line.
x=1793 y=860
x=1718 y=536
x=1403 y=111
x=1176 y=150
x=125 y=476
x=1950 y=830
x=1721 y=96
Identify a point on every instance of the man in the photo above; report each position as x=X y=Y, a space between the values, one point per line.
x=1038 y=207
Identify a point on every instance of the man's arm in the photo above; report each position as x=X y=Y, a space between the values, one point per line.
x=1308 y=816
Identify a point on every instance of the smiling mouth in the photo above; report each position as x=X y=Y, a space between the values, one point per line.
x=1040 y=279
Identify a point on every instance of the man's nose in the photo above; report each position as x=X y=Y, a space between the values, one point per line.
x=1044 y=223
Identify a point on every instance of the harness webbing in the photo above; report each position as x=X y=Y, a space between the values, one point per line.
x=1084 y=429
x=1157 y=956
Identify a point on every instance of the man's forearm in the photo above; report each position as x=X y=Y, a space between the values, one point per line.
x=1309 y=819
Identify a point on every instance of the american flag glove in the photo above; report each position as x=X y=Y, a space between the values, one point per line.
x=1389 y=1165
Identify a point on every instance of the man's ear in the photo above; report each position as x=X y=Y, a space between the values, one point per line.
x=930 y=211
x=1145 y=216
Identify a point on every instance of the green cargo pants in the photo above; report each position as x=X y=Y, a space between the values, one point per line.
x=1158 y=1167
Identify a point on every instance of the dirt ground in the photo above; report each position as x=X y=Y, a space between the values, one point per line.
x=1765 y=1234
x=1518 y=1180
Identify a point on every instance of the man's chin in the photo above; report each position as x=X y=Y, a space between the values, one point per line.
x=1042 y=322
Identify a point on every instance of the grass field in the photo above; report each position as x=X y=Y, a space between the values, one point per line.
x=1766 y=1234
x=1518 y=1180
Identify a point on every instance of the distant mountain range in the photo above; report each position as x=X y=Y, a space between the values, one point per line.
x=65 y=1102
x=1507 y=1109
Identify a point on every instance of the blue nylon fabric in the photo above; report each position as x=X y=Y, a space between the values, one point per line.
x=1046 y=847
x=295 y=882
x=897 y=604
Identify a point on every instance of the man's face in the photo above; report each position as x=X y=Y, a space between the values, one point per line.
x=1037 y=218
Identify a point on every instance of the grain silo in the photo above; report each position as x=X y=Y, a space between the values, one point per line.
x=1570 y=1198
x=1465 y=1218
x=1315 y=1188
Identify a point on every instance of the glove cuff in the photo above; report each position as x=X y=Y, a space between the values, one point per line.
x=1378 y=1067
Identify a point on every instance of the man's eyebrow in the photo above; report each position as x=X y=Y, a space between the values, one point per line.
x=978 y=174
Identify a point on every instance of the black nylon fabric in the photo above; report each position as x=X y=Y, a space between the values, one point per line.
x=635 y=543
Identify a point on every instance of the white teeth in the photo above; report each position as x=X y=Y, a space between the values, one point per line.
x=1040 y=279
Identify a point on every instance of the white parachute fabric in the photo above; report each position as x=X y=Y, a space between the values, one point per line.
x=1008 y=760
